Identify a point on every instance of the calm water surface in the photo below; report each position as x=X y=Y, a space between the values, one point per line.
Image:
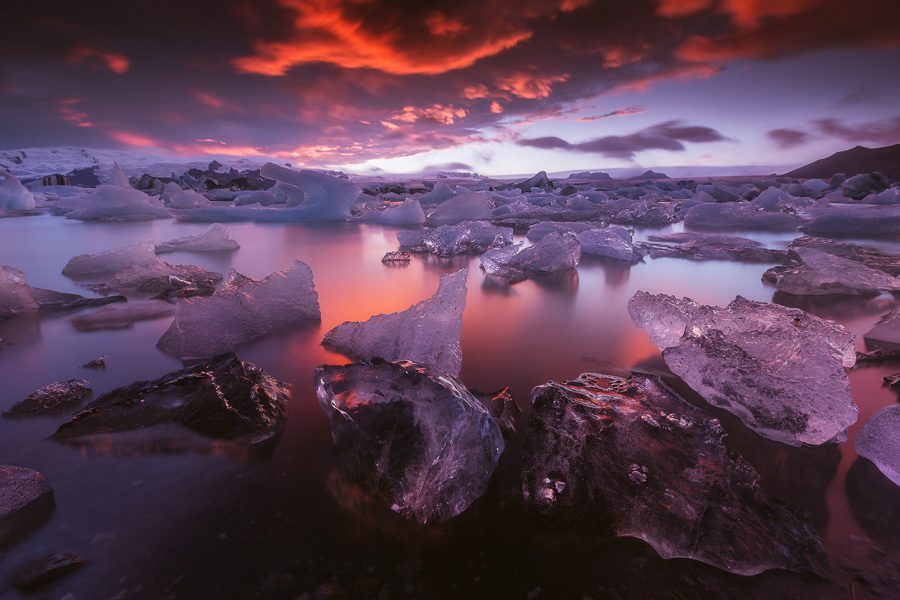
x=161 y=517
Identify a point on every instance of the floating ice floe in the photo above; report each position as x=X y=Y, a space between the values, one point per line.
x=240 y=310
x=470 y=206
x=214 y=239
x=61 y=395
x=710 y=246
x=780 y=370
x=819 y=273
x=428 y=332
x=13 y=195
x=411 y=435
x=409 y=212
x=553 y=253
x=122 y=316
x=870 y=257
x=438 y=194
x=223 y=397
x=886 y=332
x=160 y=280
x=187 y=199
x=878 y=441
x=613 y=242
x=739 y=215
x=627 y=455
x=111 y=261
x=540 y=230
x=19 y=298
x=468 y=237
x=856 y=221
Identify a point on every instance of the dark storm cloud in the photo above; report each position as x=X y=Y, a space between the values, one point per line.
x=669 y=135
x=788 y=138
x=341 y=80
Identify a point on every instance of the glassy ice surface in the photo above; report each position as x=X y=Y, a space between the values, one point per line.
x=297 y=508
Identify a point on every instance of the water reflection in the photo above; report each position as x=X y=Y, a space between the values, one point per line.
x=875 y=501
x=838 y=307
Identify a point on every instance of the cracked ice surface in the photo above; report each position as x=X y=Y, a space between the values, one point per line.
x=242 y=309
x=428 y=332
x=410 y=434
x=879 y=441
x=780 y=370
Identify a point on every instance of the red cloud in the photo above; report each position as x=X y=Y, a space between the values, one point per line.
x=115 y=62
x=327 y=31
x=69 y=111
x=527 y=86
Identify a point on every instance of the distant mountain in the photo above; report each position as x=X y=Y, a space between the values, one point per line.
x=885 y=160
x=649 y=174
x=592 y=175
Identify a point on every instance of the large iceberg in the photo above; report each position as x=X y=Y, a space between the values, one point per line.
x=187 y=199
x=780 y=370
x=160 y=280
x=326 y=197
x=115 y=201
x=856 y=221
x=428 y=332
x=539 y=231
x=214 y=239
x=240 y=310
x=410 y=434
x=879 y=441
x=819 y=273
x=627 y=455
x=468 y=237
x=14 y=195
x=470 y=206
x=553 y=253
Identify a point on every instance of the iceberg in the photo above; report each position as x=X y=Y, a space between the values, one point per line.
x=540 y=230
x=187 y=199
x=613 y=242
x=118 y=177
x=468 y=237
x=409 y=212
x=878 y=441
x=856 y=221
x=819 y=273
x=160 y=280
x=55 y=397
x=214 y=239
x=780 y=370
x=739 y=215
x=553 y=253
x=13 y=195
x=438 y=194
x=627 y=455
x=111 y=261
x=223 y=397
x=469 y=206
x=326 y=197
x=26 y=501
x=710 y=246
x=112 y=203
x=410 y=434
x=240 y=310
x=18 y=298
x=886 y=333
x=428 y=332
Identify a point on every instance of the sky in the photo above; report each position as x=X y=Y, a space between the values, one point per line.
x=496 y=87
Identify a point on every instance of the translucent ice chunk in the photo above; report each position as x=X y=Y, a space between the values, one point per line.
x=611 y=242
x=470 y=206
x=879 y=442
x=242 y=309
x=779 y=369
x=554 y=252
x=428 y=332
x=14 y=195
x=214 y=239
x=111 y=261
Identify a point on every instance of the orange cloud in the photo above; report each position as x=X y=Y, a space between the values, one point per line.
x=747 y=13
x=526 y=86
x=439 y=24
x=69 y=111
x=324 y=33
x=115 y=62
x=681 y=73
x=132 y=139
x=445 y=115
x=496 y=107
x=474 y=92
x=681 y=8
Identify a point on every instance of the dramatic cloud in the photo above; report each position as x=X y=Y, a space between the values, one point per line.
x=669 y=135
x=882 y=132
x=331 y=82
x=788 y=138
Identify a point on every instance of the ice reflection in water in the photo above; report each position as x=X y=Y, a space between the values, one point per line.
x=143 y=512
